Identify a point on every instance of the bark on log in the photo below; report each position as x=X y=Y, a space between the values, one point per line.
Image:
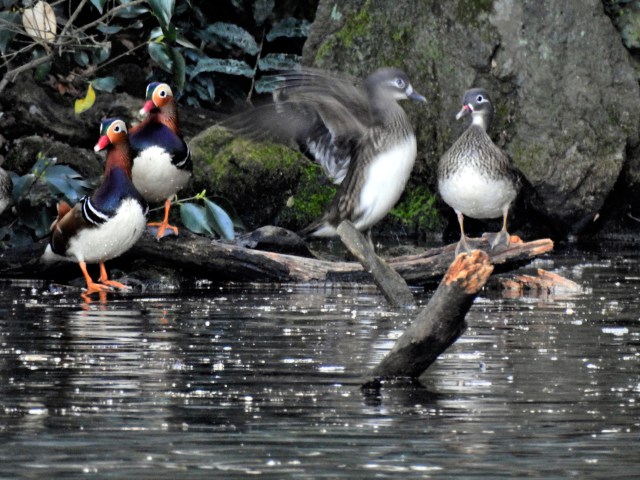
x=200 y=257
x=439 y=324
x=390 y=282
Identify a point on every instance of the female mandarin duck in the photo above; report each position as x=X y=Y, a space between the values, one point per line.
x=162 y=160
x=109 y=222
x=475 y=177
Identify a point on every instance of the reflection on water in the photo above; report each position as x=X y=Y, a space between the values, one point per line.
x=230 y=382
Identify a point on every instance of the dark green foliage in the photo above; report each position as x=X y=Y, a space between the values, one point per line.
x=34 y=197
x=207 y=219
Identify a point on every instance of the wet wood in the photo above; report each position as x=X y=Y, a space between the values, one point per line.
x=437 y=325
x=544 y=283
x=391 y=284
x=201 y=257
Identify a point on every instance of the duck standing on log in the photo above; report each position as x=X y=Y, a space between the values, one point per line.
x=162 y=161
x=109 y=222
x=360 y=136
x=475 y=177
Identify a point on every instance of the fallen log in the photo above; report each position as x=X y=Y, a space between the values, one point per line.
x=200 y=257
x=438 y=325
x=391 y=284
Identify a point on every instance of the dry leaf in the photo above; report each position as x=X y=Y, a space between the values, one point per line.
x=40 y=22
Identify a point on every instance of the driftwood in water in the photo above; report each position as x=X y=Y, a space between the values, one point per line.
x=200 y=257
x=439 y=324
x=391 y=284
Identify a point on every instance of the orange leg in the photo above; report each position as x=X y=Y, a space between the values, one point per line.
x=92 y=287
x=162 y=226
x=104 y=279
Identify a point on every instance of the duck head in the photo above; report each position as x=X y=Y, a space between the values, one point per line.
x=393 y=82
x=158 y=95
x=113 y=131
x=476 y=102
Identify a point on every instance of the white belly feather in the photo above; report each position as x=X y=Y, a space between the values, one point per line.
x=477 y=196
x=384 y=183
x=155 y=177
x=109 y=240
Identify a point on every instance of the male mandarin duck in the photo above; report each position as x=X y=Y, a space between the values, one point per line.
x=475 y=177
x=162 y=161
x=109 y=222
x=359 y=134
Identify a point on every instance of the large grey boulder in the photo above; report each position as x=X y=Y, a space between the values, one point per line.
x=568 y=102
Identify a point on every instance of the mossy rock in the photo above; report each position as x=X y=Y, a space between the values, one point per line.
x=310 y=199
x=256 y=178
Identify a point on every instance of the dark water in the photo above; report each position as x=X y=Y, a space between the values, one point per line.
x=257 y=382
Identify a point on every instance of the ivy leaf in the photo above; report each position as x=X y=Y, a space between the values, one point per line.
x=105 y=84
x=43 y=69
x=163 y=9
x=108 y=29
x=194 y=217
x=99 y=4
x=21 y=186
x=229 y=66
x=178 y=68
x=219 y=219
x=228 y=34
x=289 y=27
x=99 y=55
x=268 y=84
x=159 y=54
x=261 y=10
x=131 y=12
x=84 y=104
x=38 y=220
x=8 y=20
x=81 y=58
x=279 y=62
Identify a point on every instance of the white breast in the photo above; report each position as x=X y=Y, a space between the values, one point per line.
x=475 y=195
x=112 y=238
x=385 y=180
x=155 y=177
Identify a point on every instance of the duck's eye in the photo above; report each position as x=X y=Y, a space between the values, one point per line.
x=479 y=99
x=400 y=83
x=117 y=129
x=163 y=93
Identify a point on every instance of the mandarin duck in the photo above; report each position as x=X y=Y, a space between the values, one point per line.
x=162 y=161
x=475 y=177
x=107 y=223
x=359 y=135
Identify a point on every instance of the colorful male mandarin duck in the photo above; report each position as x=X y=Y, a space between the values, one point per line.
x=106 y=224
x=162 y=160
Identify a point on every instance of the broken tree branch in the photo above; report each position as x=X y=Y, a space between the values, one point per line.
x=390 y=283
x=439 y=324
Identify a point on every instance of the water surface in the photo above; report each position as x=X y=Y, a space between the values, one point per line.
x=237 y=382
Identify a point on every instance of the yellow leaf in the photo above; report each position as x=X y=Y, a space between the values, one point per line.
x=40 y=22
x=84 y=104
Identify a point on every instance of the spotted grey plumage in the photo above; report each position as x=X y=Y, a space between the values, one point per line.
x=359 y=135
x=475 y=177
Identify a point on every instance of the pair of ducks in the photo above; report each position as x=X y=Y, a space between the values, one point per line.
x=364 y=141
x=148 y=163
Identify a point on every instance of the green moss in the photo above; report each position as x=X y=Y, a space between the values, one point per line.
x=469 y=11
x=310 y=200
x=356 y=26
x=417 y=210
